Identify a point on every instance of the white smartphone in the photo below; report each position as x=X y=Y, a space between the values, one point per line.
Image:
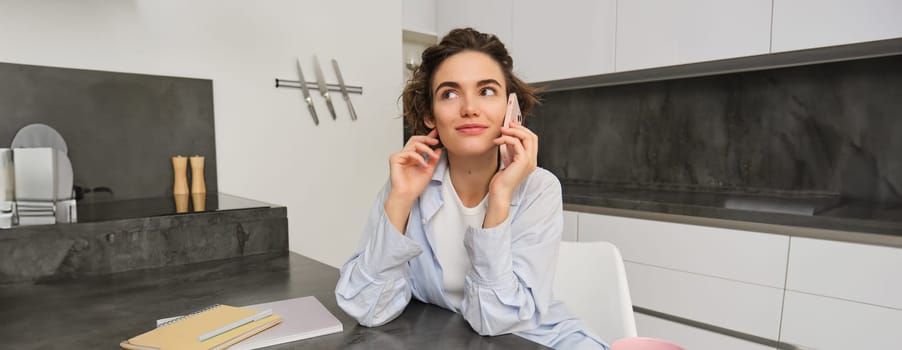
x=513 y=111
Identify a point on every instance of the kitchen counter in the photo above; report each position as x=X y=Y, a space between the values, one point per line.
x=98 y=211
x=100 y=311
x=816 y=215
x=124 y=235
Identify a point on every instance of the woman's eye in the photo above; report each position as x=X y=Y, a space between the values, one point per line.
x=488 y=92
x=448 y=94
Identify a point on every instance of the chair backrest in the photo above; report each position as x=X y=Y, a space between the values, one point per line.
x=591 y=281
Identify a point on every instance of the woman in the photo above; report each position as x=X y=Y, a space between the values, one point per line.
x=455 y=228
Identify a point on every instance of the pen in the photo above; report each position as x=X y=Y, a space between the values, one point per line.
x=236 y=324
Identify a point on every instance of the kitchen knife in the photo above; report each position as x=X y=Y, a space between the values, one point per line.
x=306 y=93
x=323 y=89
x=344 y=89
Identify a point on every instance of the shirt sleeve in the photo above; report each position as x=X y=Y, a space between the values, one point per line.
x=374 y=285
x=509 y=286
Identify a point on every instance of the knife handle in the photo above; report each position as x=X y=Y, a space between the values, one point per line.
x=350 y=107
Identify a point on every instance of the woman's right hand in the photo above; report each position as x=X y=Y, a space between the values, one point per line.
x=410 y=174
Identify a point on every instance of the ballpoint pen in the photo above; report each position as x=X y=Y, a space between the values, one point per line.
x=236 y=324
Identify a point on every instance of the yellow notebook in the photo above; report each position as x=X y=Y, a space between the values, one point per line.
x=186 y=332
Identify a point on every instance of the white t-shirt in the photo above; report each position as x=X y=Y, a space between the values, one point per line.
x=449 y=226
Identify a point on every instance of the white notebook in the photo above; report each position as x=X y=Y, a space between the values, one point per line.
x=302 y=318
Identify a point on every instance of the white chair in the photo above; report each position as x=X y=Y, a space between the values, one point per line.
x=591 y=281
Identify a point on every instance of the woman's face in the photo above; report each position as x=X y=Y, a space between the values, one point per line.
x=469 y=103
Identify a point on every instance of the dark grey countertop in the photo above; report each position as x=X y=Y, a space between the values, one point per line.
x=98 y=211
x=124 y=235
x=863 y=222
x=98 y=312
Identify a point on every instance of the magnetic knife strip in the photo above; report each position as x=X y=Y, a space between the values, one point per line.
x=323 y=88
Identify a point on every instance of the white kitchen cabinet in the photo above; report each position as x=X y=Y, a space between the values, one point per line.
x=571 y=219
x=836 y=295
x=655 y=33
x=690 y=337
x=492 y=16
x=729 y=278
x=579 y=38
x=803 y=24
x=743 y=307
x=744 y=256
x=825 y=323
x=548 y=40
x=563 y=39
x=858 y=272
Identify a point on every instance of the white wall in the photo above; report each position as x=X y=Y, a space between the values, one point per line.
x=418 y=15
x=267 y=146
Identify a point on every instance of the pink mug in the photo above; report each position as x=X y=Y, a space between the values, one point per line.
x=644 y=343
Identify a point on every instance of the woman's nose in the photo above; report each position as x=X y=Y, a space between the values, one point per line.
x=469 y=108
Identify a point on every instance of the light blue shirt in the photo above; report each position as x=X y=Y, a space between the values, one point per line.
x=508 y=288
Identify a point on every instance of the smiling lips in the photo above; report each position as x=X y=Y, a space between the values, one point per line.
x=471 y=129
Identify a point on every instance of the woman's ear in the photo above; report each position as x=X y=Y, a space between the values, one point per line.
x=430 y=123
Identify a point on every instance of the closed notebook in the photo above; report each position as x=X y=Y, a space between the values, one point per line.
x=304 y=318
x=184 y=333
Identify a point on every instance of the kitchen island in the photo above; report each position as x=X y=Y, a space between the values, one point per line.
x=100 y=311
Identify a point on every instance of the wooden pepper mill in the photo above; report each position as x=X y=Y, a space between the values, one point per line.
x=180 y=175
x=198 y=185
x=199 y=201
x=181 y=203
x=197 y=175
x=180 y=183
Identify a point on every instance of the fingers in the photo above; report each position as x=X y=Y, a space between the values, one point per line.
x=434 y=160
x=422 y=149
x=421 y=140
x=513 y=142
x=527 y=138
x=518 y=130
x=405 y=158
x=430 y=139
x=408 y=158
x=421 y=144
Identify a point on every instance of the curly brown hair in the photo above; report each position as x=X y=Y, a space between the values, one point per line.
x=417 y=94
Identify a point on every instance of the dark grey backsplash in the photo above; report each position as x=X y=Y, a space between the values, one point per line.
x=121 y=128
x=833 y=128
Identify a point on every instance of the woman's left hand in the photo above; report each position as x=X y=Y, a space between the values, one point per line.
x=524 y=145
